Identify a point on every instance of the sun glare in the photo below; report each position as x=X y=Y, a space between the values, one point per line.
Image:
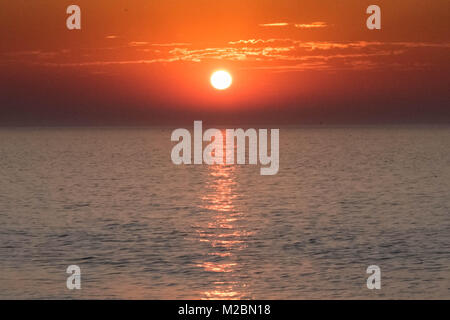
x=221 y=80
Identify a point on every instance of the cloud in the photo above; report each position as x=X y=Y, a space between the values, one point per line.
x=276 y=24
x=319 y=24
x=250 y=41
x=312 y=25
x=279 y=55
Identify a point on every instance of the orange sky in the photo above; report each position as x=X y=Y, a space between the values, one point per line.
x=139 y=62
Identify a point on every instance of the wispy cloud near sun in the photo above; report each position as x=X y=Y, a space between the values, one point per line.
x=270 y=54
x=319 y=24
x=312 y=25
x=275 y=24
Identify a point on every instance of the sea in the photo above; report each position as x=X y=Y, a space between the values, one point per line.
x=110 y=201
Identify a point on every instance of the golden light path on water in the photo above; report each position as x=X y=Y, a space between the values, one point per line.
x=224 y=233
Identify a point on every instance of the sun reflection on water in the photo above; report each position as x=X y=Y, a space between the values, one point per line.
x=225 y=234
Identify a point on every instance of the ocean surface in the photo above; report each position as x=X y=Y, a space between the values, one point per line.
x=110 y=201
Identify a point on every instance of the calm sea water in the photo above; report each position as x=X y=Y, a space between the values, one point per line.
x=139 y=227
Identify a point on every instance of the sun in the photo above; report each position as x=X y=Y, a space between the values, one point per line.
x=221 y=80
